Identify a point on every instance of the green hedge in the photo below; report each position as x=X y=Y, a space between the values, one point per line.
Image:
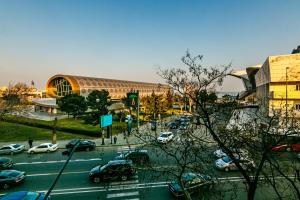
x=65 y=125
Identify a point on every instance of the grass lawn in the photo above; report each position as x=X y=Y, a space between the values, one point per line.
x=10 y=132
x=68 y=125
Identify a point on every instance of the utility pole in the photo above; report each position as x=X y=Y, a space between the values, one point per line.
x=61 y=171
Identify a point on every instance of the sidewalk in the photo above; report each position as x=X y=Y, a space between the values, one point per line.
x=108 y=142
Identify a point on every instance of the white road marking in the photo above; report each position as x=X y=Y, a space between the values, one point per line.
x=50 y=174
x=123 y=194
x=58 y=161
x=124 y=182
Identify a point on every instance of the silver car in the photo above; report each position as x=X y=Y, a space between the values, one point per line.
x=12 y=149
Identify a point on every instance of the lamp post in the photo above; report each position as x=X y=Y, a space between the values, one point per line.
x=286 y=98
x=102 y=130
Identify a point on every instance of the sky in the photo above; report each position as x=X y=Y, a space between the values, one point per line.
x=132 y=39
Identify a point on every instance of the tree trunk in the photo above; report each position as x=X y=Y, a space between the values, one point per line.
x=251 y=191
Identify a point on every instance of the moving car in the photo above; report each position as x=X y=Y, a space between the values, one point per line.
x=173 y=125
x=113 y=170
x=10 y=178
x=6 y=163
x=226 y=164
x=45 y=147
x=192 y=183
x=183 y=126
x=137 y=156
x=24 y=195
x=84 y=145
x=219 y=153
x=12 y=149
x=165 y=137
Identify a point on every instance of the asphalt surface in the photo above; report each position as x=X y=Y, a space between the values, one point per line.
x=41 y=170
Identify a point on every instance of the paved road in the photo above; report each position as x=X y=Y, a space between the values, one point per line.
x=42 y=169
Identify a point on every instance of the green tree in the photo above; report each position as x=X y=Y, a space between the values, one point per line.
x=97 y=102
x=169 y=99
x=73 y=104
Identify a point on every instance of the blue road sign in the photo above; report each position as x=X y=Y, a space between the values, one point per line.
x=105 y=120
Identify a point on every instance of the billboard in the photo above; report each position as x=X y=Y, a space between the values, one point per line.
x=105 y=120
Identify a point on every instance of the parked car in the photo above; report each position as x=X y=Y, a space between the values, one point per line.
x=10 y=178
x=113 y=170
x=165 y=137
x=192 y=183
x=226 y=164
x=6 y=163
x=137 y=156
x=298 y=156
x=45 y=147
x=24 y=195
x=219 y=153
x=84 y=145
x=12 y=149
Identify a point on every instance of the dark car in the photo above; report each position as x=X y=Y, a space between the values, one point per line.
x=84 y=145
x=113 y=170
x=24 y=195
x=5 y=163
x=192 y=183
x=173 y=125
x=10 y=178
x=137 y=156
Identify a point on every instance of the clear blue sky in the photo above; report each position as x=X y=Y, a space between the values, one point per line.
x=130 y=39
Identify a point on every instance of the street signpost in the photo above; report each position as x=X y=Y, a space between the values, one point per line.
x=133 y=101
x=105 y=121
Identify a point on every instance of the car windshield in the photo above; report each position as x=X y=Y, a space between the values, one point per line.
x=31 y=196
x=164 y=135
x=227 y=159
x=16 y=145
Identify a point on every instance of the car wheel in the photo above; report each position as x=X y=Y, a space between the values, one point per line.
x=288 y=149
x=96 y=179
x=48 y=151
x=87 y=149
x=12 y=153
x=123 y=177
x=226 y=169
x=5 y=186
x=31 y=152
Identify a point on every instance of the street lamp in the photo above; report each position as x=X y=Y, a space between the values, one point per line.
x=102 y=130
x=286 y=98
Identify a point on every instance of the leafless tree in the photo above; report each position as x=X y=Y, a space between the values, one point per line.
x=255 y=133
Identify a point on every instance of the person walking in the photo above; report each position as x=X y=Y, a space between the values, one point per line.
x=30 y=142
x=115 y=139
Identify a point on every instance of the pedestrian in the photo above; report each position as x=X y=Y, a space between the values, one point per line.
x=115 y=139
x=30 y=141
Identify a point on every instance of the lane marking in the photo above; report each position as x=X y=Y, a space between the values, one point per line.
x=123 y=194
x=58 y=161
x=50 y=174
x=105 y=189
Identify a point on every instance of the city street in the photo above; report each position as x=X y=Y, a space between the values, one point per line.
x=41 y=170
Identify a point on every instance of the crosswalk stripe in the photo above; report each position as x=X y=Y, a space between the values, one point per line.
x=123 y=194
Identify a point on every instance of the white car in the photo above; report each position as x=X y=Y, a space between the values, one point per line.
x=12 y=149
x=219 y=153
x=45 y=147
x=165 y=137
x=226 y=163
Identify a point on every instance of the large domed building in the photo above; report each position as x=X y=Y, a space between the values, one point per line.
x=61 y=85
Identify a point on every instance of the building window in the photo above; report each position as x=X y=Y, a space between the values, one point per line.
x=63 y=87
x=298 y=87
x=297 y=106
